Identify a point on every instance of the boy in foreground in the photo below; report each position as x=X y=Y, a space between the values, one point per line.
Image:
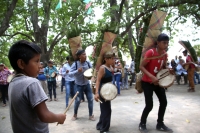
x=28 y=111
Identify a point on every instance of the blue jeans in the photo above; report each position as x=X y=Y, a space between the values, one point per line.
x=117 y=79
x=88 y=93
x=69 y=89
x=52 y=86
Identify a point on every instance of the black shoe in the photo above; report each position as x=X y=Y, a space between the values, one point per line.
x=162 y=127
x=103 y=131
x=142 y=128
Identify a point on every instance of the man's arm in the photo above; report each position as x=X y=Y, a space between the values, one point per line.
x=73 y=70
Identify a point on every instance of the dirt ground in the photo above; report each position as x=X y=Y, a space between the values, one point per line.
x=182 y=113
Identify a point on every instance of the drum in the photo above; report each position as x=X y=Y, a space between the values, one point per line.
x=88 y=73
x=10 y=77
x=54 y=74
x=108 y=91
x=166 y=79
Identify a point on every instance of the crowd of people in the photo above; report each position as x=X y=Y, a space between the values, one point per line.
x=36 y=84
x=186 y=71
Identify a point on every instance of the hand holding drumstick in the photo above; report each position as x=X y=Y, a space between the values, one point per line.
x=70 y=104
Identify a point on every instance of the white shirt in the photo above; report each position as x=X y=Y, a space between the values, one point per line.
x=66 y=67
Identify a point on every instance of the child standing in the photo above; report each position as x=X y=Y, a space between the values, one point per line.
x=104 y=76
x=28 y=111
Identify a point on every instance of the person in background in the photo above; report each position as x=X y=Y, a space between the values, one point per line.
x=176 y=60
x=117 y=74
x=28 y=110
x=69 y=80
x=51 y=79
x=196 y=77
x=63 y=78
x=4 y=73
x=42 y=78
x=125 y=78
x=190 y=71
x=132 y=69
x=180 y=71
x=173 y=64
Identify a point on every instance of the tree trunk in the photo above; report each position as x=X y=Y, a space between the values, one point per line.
x=130 y=34
x=40 y=33
x=7 y=17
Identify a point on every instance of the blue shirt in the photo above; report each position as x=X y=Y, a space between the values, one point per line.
x=78 y=76
x=66 y=75
x=49 y=71
x=180 y=70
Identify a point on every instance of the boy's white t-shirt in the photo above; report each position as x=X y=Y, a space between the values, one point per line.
x=24 y=94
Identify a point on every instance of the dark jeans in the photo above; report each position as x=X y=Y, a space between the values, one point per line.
x=4 y=92
x=52 y=86
x=148 y=94
x=132 y=78
x=105 y=116
x=62 y=83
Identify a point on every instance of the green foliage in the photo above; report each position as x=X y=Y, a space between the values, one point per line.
x=71 y=20
x=197 y=49
x=73 y=31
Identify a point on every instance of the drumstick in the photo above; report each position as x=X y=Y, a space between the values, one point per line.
x=70 y=104
x=100 y=101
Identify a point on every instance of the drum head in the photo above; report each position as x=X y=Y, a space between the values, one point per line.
x=108 y=91
x=88 y=73
x=165 y=78
x=53 y=75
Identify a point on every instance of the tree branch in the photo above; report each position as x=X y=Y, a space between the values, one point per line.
x=23 y=34
x=55 y=41
x=120 y=9
x=7 y=17
x=154 y=8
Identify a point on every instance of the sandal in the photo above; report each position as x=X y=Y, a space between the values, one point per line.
x=50 y=100
x=92 y=118
x=74 y=118
x=55 y=99
x=4 y=105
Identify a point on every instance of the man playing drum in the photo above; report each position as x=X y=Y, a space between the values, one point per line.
x=81 y=83
x=150 y=83
x=104 y=76
x=51 y=72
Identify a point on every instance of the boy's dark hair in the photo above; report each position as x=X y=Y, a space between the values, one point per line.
x=22 y=50
x=185 y=51
x=163 y=37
